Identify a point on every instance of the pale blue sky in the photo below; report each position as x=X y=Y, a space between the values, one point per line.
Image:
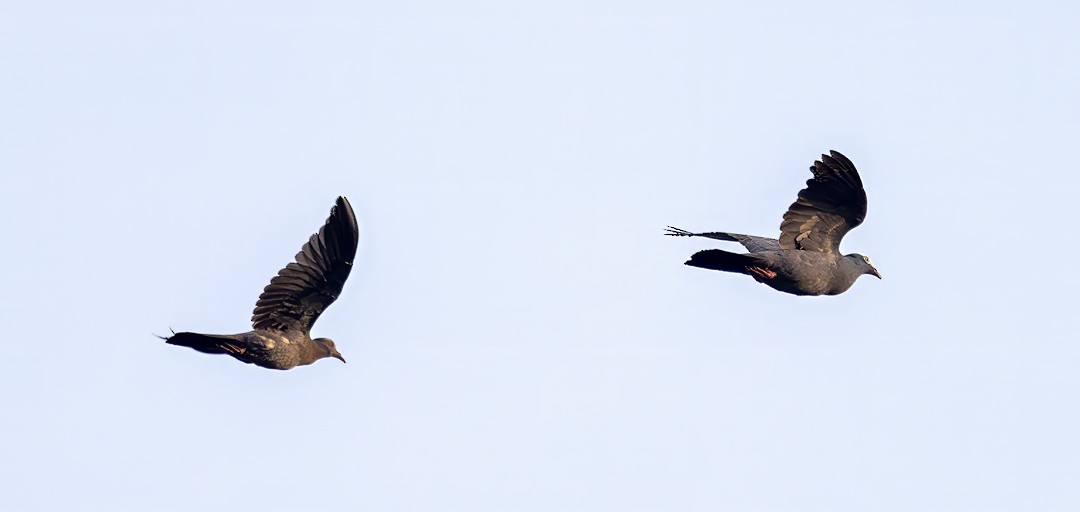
x=520 y=335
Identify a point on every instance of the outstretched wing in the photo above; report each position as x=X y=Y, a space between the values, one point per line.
x=751 y=242
x=302 y=290
x=832 y=204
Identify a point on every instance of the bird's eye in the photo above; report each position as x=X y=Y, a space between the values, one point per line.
x=866 y=259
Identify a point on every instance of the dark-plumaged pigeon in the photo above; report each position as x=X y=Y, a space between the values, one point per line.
x=806 y=260
x=291 y=303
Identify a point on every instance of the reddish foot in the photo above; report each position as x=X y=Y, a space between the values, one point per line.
x=761 y=274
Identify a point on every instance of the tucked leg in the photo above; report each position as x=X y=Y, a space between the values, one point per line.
x=761 y=274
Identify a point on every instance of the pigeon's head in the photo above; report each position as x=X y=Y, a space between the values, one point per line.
x=863 y=263
x=331 y=350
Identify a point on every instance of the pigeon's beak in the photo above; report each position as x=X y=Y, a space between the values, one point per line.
x=337 y=355
x=875 y=273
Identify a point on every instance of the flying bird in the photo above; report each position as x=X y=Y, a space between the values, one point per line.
x=292 y=302
x=806 y=260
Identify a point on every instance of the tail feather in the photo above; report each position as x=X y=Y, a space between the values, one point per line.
x=716 y=259
x=207 y=343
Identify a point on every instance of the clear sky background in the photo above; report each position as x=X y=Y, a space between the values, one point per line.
x=520 y=335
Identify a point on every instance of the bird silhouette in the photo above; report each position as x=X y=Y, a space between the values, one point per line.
x=806 y=260
x=292 y=302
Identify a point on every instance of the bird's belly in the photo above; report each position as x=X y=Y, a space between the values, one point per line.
x=800 y=288
x=273 y=350
x=801 y=283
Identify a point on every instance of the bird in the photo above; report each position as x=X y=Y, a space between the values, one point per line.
x=806 y=260
x=292 y=302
